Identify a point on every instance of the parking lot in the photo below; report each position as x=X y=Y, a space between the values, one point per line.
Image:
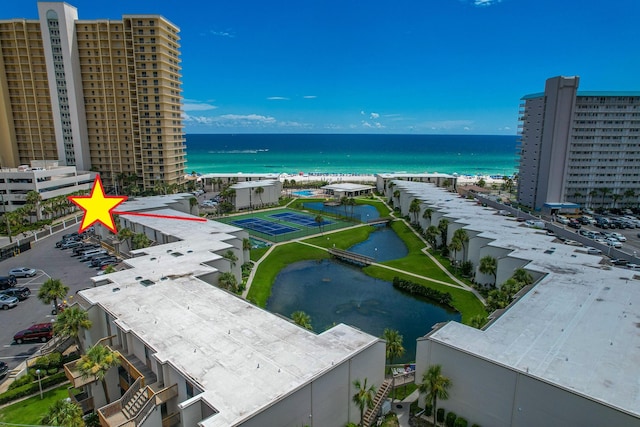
x=49 y=263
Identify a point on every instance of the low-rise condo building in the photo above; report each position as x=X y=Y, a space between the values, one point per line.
x=194 y=354
x=563 y=353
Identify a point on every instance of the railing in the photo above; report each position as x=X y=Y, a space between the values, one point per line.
x=80 y=399
x=171 y=419
x=165 y=394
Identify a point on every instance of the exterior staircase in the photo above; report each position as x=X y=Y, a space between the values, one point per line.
x=381 y=395
x=135 y=404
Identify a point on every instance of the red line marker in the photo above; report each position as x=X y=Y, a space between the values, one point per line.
x=161 y=216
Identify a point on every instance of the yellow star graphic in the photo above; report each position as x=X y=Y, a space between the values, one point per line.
x=97 y=207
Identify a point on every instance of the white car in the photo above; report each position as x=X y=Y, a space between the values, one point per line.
x=22 y=272
x=593 y=251
x=619 y=237
x=633 y=266
x=572 y=243
x=614 y=243
x=562 y=220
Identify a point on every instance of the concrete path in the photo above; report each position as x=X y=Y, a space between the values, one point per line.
x=402 y=408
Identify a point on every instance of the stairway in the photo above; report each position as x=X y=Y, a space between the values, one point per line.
x=381 y=395
x=137 y=402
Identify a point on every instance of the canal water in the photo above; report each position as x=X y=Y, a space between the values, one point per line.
x=332 y=292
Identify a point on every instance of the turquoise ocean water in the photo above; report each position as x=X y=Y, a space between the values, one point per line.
x=351 y=154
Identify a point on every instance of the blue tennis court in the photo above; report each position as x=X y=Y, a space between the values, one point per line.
x=263 y=226
x=306 y=220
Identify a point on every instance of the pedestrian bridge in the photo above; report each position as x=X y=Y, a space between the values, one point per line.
x=351 y=257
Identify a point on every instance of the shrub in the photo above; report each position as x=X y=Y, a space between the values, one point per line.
x=443 y=298
x=25 y=379
x=460 y=422
x=451 y=419
x=32 y=387
x=440 y=415
x=428 y=410
x=467 y=268
x=475 y=425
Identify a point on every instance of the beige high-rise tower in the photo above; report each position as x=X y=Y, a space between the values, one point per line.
x=102 y=95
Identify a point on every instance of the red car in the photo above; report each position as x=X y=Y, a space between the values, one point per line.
x=38 y=332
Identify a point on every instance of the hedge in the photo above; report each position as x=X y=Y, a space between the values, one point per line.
x=443 y=298
x=32 y=388
x=460 y=422
x=451 y=419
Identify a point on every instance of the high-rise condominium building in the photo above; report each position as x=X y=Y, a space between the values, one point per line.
x=101 y=95
x=579 y=147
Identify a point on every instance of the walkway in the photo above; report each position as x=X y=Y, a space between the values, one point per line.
x=402 y=408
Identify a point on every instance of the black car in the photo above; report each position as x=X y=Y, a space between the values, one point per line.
x=7 y=281
x=97 y=262
x=616 y=261
x=22 y=292
x=4 y=368
x=574 y=224
x=84 y=247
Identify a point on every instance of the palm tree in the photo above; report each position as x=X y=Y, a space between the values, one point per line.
x=604 y=191
x=319 y=220
x=522 y=276
x=630 y=194
x=259 y=191
x=69 y=323
x=443 y=226
x=126 y=234
x=478 y=321
x=461 y=235
x=110 y=269
x=489 y=265
x=192 y=203
x=455 y=246
x=246 y=244
x=301 y=318
x=593 y=194
x=396 y=194
x=435 y=386
x=344 y=201
x=229 y=255
x=363 y=397
x=228 y=281
x=427 y=214
x=52 y=290
x=394 y=344
x=97 y=362
x=33 y=199
x=63 y=413
x=431 y=234
x=414 y=209
x=140 y=240
x=615 y=198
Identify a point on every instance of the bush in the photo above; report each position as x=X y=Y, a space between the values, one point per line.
x=53 y=360
x=440 y=415
x=443 y=298
x=451 y=419
x=428 y=410
x=475 y=425
x=25 y=379
x=460 y=422
x=30 y=388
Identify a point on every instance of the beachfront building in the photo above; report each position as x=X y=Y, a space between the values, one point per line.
x=579 y=147
x=256 y=194
x=561 y=353
x=45 y=178
x=102 y=95
x=194 y=354
x=346 y=189
x=440 y=179
x=216 y=181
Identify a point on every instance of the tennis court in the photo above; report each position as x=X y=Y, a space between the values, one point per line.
x=300 y=219
x=263 y=226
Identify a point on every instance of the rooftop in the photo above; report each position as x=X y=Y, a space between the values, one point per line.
x=606 y=93
x=347 y=186
x=577 y=327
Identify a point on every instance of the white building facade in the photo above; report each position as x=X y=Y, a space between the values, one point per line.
x=579 y=147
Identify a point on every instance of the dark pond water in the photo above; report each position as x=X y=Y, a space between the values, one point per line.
x=382 y=245
x=362 y=212
x=331 y=292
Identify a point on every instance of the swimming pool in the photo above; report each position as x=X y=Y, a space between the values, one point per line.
x=303 y=193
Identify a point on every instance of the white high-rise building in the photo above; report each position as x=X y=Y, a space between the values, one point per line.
x=579 y=147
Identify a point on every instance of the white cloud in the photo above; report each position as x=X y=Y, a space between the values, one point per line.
x=466 y=128
x=309 y=97
x=362 y=113
x=190 y=105
x=227 y=33
x=277 y=98
x=374 y=116
x=373 y=125
x=446 y=125
x=244 y=121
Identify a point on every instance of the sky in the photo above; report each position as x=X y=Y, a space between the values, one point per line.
x=397 y=67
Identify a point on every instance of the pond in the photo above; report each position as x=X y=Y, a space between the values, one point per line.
x=331 y=292
x=382 y=245
x=363 y=213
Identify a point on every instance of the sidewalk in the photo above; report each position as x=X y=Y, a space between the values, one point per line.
x=402 y=408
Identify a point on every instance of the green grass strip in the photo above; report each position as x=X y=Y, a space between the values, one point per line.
x=278 y=259
x=31 y=410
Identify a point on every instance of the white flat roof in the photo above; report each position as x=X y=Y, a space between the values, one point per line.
x=225 y=344
x=577 y=328
x=348 y=186
x=255 y=184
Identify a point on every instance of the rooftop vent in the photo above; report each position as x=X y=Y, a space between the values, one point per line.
x=147 y=282
x=177 y=254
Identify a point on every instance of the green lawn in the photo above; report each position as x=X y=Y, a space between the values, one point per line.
x=278 y=259
x=31 y=411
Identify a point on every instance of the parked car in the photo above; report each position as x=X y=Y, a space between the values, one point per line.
x=593 y=251
x=39 y=332
x=106 y=262
x=69 y=244
x=97 y=261
x=617 y=261
x=572 y=243
x=7 y=302
x=574 y=224
x=84 y=247
x=22 y=292
x=614 y=243
x=22 y=272
x=619 y=237
x=562 y=220
x=633 y=266
x=7 y=281
x=4 y=368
